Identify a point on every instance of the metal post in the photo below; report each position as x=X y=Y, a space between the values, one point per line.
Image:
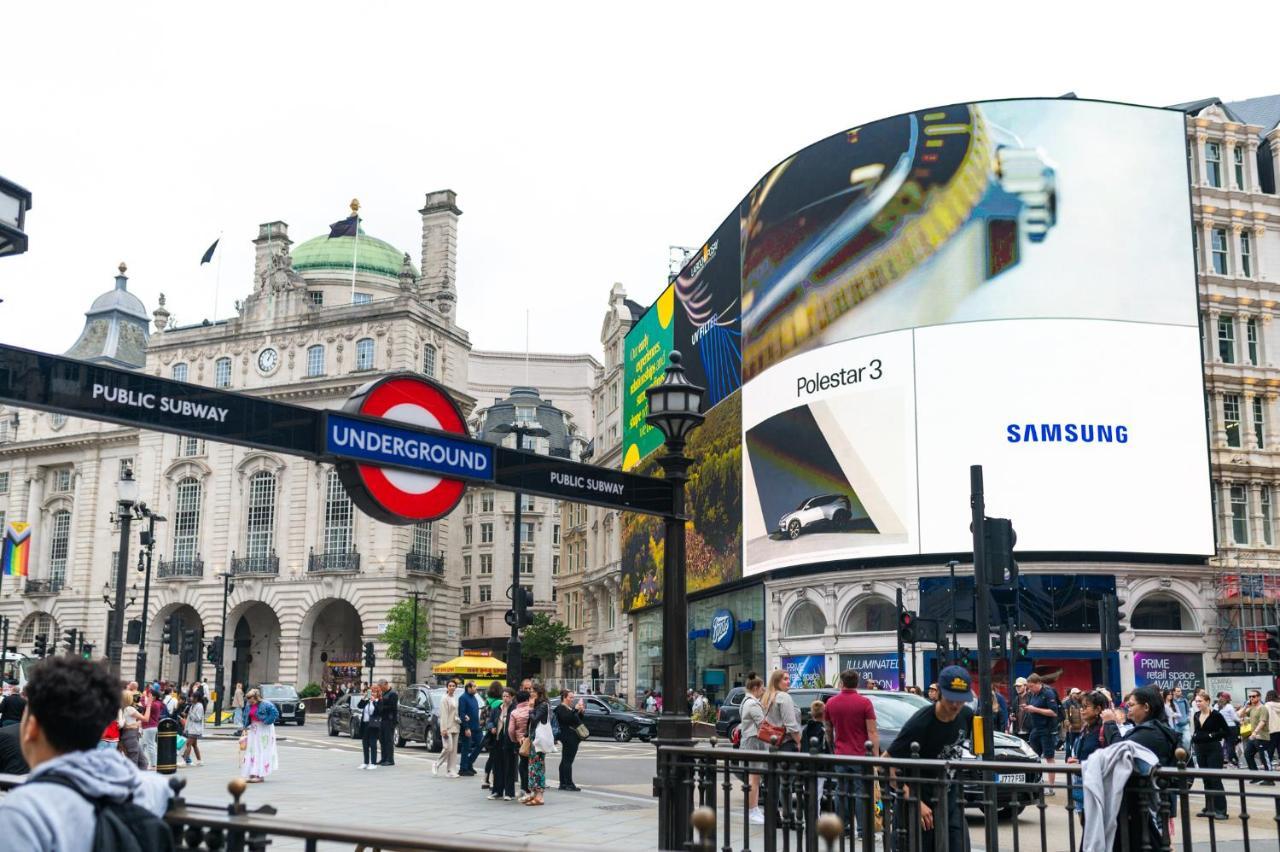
x=902 y=663
x=1104 y=627
x=219 y=685
x=199 y=649
x=983 y=635
x=955 y=644
x=4 y=626
x=124 y=511
x=414 y=674
x=140 y=674
x=514 y=661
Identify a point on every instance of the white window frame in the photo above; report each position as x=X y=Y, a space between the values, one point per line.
x=1219 y=262
x=526 y=563
x=366 y=353
x=1231 y=418
x=1268 y=531
x=4 y=482
x=1258 y=414
x=1246 y=254
x=59 y=545
x=1227 y=338
x=339 y=518
x=486 y=563
x=188 y=502
x=1240 y=513
x=179 y=372
x=260 y=515
x=315 y=360
x=222 y=372
x=1237 y=157
x=423 y=537
x=1213 y=163
x=429 y=361
x=1251 y=339
x=466 y=566
x=486 y=533
x=486 y=593
x=62 y=480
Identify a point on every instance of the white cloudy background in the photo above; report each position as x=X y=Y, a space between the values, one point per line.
x=582 y=140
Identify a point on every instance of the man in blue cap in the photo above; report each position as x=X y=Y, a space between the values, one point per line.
x=937 y=730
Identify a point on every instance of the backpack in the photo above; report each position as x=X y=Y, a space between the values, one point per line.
x=555 y=723
x=119 y=826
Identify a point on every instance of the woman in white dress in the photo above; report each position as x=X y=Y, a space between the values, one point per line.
x=257 y=721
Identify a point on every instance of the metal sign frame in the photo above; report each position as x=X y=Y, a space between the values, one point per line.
x=62 y=385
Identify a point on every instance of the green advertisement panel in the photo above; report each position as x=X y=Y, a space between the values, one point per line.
x=647 y=346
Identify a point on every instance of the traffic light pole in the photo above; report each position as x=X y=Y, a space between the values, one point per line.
x=983 y=635
x=4 y=627
x=514 y=651
x=902 y=668
x=115 y=646
x=140 y=673
x=1104 y=625
x=218 y=686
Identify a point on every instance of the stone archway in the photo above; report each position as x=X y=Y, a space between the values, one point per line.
x=164 y=665
x=252 y=650
x=332 y=631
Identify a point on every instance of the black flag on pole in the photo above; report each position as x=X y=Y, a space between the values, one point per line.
x=208 y=254
x=345 y=228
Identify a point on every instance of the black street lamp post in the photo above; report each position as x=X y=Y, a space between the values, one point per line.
x=126 y=502
x=515 y=661
x=148 y=541
x=675 y=409
x=228 y=586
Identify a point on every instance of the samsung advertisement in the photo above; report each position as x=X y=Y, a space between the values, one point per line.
x=1010 y=284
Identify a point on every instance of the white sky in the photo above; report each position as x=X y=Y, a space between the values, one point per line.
x=582 y=140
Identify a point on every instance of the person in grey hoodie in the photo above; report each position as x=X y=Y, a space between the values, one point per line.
x=70 y=702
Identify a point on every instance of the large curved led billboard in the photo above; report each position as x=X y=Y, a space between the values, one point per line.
x=1007 y=283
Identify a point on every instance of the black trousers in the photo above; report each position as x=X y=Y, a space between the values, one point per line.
x=1209 y=756
x=1229 y=746
x=388 y=742
x=524 y=772
x=369 y=739
x=568 y=751
x=504 y=768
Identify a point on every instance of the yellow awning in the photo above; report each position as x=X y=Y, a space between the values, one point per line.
x=471 y=665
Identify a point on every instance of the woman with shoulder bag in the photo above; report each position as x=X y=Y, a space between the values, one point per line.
x=131 y=721
x=504 y=748
x=751 y=715
x=569 y=715
x=518 y=731
x=781 y=725
x=1208 y=729
x=259 y=756
x=543 y=742
x=370 y=707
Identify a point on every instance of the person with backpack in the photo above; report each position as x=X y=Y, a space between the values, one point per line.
x=79 y=797
x=1073 y=719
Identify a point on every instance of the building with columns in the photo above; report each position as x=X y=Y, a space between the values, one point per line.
x=313 y=577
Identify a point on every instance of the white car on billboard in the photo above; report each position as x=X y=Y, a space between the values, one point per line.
x=825 y=510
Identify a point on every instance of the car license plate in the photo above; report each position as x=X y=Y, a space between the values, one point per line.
x=1014 y=778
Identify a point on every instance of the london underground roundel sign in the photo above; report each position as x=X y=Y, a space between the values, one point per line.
x=401 y=496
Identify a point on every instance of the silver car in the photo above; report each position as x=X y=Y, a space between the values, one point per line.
x=825 y=510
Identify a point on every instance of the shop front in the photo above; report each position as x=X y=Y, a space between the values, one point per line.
x=726 y=642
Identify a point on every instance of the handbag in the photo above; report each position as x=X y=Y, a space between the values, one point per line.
x=244 y=740
x=544 y=739
x=526 y=746
x=583 y=732
x=769 y=732
x=1246 y=729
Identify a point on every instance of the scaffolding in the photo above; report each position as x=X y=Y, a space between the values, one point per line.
x=1248 y=601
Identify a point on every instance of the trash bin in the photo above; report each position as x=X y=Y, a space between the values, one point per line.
x=167 y=747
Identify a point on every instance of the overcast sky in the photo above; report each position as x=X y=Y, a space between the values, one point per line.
x=581 y=143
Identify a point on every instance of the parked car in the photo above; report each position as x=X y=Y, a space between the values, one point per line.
x=287 y=702
x=344 y=715
x=606 y=716
x=824 y=510
x=419 y=716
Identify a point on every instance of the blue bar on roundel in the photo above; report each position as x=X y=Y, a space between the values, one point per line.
x=361 y=440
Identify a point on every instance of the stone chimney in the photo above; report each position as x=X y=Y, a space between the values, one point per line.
x=160 y=314
x=440 y=247
x=272 y=237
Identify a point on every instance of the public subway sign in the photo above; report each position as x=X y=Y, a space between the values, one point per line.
x=400 y=445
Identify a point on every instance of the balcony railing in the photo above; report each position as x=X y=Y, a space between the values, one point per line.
x=423 y=563
x=180 y=568
x=345 y=562
x=38 y=588
x=263 y=566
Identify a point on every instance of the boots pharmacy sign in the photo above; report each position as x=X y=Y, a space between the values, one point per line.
x=400 y=444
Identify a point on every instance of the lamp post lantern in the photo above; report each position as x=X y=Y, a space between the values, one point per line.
x=14 y=204
x=515 y=661
x=675 y=409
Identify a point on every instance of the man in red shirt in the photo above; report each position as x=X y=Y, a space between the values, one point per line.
x=853 y=723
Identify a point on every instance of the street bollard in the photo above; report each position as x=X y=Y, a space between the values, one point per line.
x=167 y=747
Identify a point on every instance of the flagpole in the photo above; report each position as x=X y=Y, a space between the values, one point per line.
x=355 y=255
x=217 y=283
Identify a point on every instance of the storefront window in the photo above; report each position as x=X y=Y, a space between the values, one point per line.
x=871 y=615
x=806 y=620
x=1047 y=603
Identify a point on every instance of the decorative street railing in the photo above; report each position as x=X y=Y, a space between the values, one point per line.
x=423 y=563
x=170 y=569
x=40 y=588
x=345 y=562
x=259 y=565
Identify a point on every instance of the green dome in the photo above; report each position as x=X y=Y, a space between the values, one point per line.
x=334 y=255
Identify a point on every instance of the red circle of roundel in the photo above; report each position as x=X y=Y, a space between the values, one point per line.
x=382 y=397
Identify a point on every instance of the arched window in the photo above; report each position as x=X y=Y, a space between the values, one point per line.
x=422 y=537
x=337 y=517
x=871 y=615
x=1161 y=612
x=315 y=360
x=179 y=372
x=38 y=622
x=261 y=522
x=364 y=353
x=806 y=620
x=59 y=541
x=186 y=520
x=222 y=373
x=429 y=361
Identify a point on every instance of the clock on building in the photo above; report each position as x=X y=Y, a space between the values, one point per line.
x=268 y=360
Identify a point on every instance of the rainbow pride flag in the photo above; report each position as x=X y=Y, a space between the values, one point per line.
x=15 y=549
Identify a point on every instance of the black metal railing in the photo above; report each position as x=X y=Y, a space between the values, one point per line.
x=170 y=569
x=208 y=827
x=38 y=588
x=261 y=565
x=423 y=563
x=812 y=802
x=333 y=563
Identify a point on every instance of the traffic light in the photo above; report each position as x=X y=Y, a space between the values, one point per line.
x=906 y=627
x=965 y=658
x=69 y=639
x=86 y=650
x=133 y=632
x=407 y=660
x=999 y=539
x=40 y=645
x=1112 y=621
x=1273 y=643
x=1022 y=646
x=999 y=645
x=189 y=646
x=168 y=637
x=368 y=655
x=526 y=613
x=214 y=655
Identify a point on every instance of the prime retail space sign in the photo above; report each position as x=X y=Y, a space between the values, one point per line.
x=400 y=445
